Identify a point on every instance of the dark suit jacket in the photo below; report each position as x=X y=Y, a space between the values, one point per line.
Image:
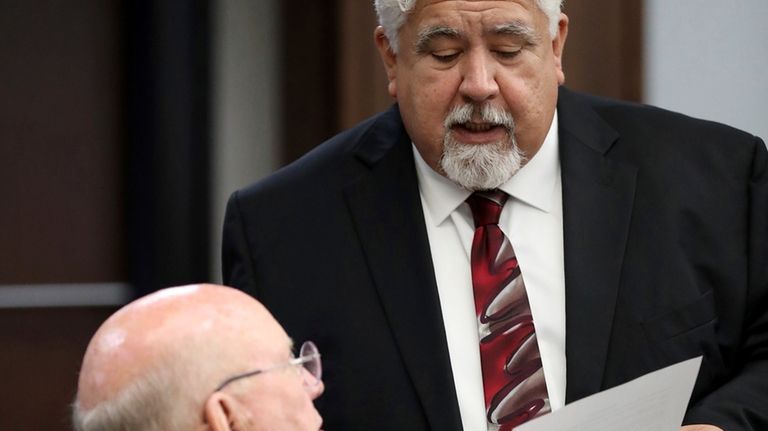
x=666 y=258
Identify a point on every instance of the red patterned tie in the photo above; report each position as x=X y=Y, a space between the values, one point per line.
x=513 y=379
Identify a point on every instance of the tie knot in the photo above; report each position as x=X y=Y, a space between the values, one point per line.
x=486 y=206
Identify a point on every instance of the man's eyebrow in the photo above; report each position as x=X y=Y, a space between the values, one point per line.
x=429 y=34
x=517 y=29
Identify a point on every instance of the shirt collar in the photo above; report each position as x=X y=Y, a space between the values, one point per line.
x=534 y=184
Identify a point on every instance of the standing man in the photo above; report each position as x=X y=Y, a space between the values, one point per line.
x=495 y=246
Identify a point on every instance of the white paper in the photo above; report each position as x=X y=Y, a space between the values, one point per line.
x=653 y=402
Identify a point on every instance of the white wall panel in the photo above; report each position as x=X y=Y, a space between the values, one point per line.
x=246 y=102
x=709 y=59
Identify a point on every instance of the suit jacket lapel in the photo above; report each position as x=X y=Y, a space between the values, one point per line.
x=386 y=209
x=597 y=203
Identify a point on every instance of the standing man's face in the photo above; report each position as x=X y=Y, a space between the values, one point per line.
x=495 y=53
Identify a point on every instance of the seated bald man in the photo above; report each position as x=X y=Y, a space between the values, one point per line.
x=200 y=357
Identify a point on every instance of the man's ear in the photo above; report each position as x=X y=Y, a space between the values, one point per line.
x=388 y=57
x=220 y=412
x=558 y=46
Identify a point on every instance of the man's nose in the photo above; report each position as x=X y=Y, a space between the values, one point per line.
x=314 y=390
x=312 y=385
x=478 y=82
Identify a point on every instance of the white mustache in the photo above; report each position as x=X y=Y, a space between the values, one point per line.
x=487 y=113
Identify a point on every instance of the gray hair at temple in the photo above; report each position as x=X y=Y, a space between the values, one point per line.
x=392 y=15
x=149 y=404
x=167 y=398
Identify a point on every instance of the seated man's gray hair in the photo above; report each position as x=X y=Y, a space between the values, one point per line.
x=159 y=401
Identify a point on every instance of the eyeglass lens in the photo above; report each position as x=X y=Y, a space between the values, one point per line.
x=308 y=349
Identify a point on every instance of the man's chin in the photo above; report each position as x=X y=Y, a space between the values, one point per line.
x=480 y=167
x=475 y=179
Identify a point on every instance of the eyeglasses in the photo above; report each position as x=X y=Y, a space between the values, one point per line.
x=309 y=358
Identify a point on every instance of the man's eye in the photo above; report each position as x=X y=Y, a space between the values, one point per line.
x=508 y=54
x=445 y=56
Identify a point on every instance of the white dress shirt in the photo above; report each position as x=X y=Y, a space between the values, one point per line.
x=532 y=219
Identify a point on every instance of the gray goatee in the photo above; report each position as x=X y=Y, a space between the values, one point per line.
x=483 y=166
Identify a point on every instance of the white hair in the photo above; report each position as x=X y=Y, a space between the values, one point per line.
x=169 y=397
x=392 y=16
x=153 y=403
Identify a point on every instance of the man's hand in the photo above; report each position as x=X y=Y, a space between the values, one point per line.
x=700 y=428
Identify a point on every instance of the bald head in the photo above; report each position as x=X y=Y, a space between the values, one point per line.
x=175 y=346
x=154 y=329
